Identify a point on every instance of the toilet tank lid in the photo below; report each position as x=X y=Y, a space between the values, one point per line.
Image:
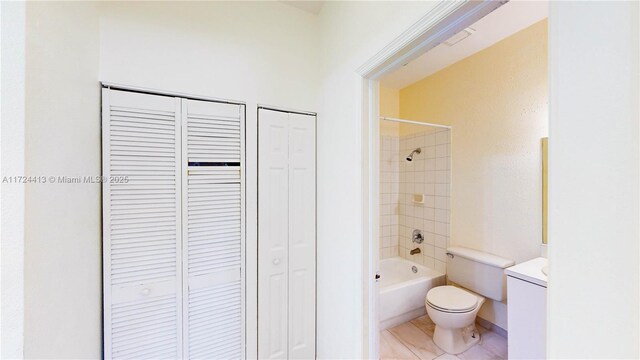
x=480 y=256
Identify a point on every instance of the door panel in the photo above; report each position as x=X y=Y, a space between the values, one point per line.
x=141 y=225
x=286 y=235
x=213 y=234
x=273 y=230
x=302 y=236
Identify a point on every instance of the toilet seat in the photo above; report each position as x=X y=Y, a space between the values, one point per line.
x=451 y=299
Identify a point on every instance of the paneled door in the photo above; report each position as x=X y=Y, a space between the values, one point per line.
x=286 y=235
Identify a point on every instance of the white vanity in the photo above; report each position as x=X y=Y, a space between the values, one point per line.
x=527 y=309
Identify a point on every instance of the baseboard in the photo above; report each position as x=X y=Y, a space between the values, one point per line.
x=491 y=326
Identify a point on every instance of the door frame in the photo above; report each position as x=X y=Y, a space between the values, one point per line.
x=440 y=23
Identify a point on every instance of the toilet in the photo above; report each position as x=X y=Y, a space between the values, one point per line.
x=454 y=308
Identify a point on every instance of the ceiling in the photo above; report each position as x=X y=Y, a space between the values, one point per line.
x=501 y=23
x=313 y=7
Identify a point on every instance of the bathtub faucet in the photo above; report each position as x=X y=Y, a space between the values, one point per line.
x=415 y=251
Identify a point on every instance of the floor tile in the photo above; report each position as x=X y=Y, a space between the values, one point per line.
x=416 y=340
x=447 y=357
x=392 y=348
x=477 y=352
x=494 y=343
x=425 y=324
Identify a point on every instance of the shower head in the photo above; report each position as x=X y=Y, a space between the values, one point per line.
x=416 y=151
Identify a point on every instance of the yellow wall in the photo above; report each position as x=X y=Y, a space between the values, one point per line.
x=497 y=103
x=389 y=107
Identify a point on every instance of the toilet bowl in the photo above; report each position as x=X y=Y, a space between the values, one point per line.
x=454 y=311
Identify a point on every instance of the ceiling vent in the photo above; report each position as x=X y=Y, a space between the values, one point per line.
x=459 y=36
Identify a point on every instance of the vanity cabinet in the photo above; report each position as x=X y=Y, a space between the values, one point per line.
x=527 y=310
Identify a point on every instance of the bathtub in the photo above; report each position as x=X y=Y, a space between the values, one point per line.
x=402 y=292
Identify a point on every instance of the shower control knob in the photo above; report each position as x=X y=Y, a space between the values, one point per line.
x=417 y=237
x=276 y=261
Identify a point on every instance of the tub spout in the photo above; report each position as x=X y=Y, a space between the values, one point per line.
x=415 y=251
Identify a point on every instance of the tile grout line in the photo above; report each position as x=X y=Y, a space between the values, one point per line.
x=403 y=344
x=408 y=348
x=481 y=343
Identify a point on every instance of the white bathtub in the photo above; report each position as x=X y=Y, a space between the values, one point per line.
x=402 y=292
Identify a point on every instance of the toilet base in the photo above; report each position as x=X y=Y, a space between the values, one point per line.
x=456 y=341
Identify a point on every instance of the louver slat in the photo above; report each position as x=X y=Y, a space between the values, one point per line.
x=213 y=230
x=141 y=216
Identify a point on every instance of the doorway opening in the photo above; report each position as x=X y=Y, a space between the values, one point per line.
x=457 y=67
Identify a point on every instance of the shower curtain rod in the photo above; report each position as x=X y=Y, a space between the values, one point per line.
x=414 y=122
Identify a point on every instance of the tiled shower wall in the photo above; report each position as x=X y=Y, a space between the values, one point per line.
x=429 y=174
x=389 y=195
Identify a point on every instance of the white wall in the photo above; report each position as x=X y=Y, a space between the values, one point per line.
x=262 y=52
x=63 y=290
x=593 y=180
x=247 y=51
x=13 y=17
x=352 y=32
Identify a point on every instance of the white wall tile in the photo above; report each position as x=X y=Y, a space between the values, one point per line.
x=442 y=163
x=429 y=238
x=430 y=139
x=442 y=215
x=428 y=250
x=442 y=137
x=427 y=174
x=441 y=228
x=441 y=189
x=430 y=263
x=442 y=202
x=441 y=151
x=430 y=152
x=440 y=254
x=441 y=241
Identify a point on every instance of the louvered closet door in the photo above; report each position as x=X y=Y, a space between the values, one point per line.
x=213 y=230
x=286 y=235
x=141 y=222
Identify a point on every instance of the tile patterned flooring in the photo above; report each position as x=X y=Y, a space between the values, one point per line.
x=413 y=340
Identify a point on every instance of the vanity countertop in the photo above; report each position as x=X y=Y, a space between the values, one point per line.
x=530 y=271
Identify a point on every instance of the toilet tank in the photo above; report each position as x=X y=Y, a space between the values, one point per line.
x=478 y=271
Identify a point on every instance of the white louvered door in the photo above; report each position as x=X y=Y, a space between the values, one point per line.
x=286 y=235
x=174 y=232
x=141 y=222
x=213 y=223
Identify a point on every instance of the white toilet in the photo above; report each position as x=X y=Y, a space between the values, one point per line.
x=454 y=309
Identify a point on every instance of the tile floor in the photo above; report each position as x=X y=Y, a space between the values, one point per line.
x=413 y=340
